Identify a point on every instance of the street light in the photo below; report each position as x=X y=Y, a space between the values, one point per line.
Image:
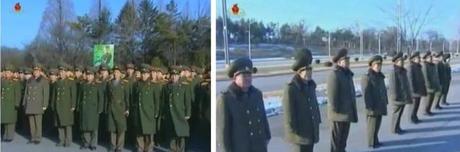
x=380 y=49
x=225 y=32
x=249 y=38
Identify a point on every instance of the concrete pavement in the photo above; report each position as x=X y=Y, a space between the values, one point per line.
x=438 y=133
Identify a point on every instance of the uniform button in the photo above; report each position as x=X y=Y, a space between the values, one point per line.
x=257 y=109
x=251 y=134
x=247 y=111
x=140 y=104
x=170 y=106
x=258 y=120
x=250 y=122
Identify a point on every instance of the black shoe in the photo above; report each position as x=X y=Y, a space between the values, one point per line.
x=60 y=145
x=92 y=148
x=37 y=142
x=30 y=142
x=83 y=147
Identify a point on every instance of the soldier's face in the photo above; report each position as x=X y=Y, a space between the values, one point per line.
x=175 y=78
x=27 y=76
x=345 y=63
x=243 y=80
x=376 y=66
x=306 y=74
x=416 y=60
x=138 y=74
x=400 y=63
x=62 y=74
x=78 y=74
x=90 y=77
x=145 y=76
x=53 y=78
x=117 y=74
x=36 y=73
x=130 y=71
x=7 y=74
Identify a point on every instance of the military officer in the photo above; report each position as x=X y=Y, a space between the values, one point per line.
x=102 y=78
x=130 y=77
x=158 y=84
x=375 y=99
x=203 y=102
x=177 y=111
x=63 y=102
x=431 y=77
x=399 y=91
x=35 y=102
x=90 y=106
x=241 y=116
x=448 y=72
x=301 y=112
x=342 y=101
x=10 y=100
x=117 y=109
x=443 y=79
x=144 y=109
x=417 y=83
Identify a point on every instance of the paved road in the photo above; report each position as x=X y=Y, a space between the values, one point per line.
x=439 y=133
x=273 y=83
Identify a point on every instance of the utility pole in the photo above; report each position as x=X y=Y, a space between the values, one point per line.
x=329 y=43
x=398 y=33
x=225 y=32
x=380 y=49
x=249 y=39
x=361 y=41
x=431 y=46
x=458 y=40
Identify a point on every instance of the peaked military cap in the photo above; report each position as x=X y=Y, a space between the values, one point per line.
x=303 y=58
x=241 y=65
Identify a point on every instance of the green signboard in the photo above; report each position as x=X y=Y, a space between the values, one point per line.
x=103 y=54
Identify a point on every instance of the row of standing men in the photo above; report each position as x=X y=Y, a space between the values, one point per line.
x=149 y=103
x=242 y=121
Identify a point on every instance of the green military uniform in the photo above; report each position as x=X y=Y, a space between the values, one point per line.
x=158 y=91
x=399 y=93
x=301 y=111
x=90 y=105
x=375 y=99
x=131 y=134
x=203 y=114
x=341 y=102
x=117 y=106
x=10 y=100
x=144 y=110
x=431 y=77
x=102 y=131
x=443 y=80
x=63 y=102
x=448 y=72
x=417 y=83
x=177 y=111
x=241 y=118
x=35 y=101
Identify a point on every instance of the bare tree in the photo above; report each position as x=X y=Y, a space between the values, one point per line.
x=410 y=22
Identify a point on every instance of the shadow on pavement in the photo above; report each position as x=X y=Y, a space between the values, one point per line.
x=448 y=142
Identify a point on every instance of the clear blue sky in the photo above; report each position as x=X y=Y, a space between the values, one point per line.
x=334 y=14
x=19 y=29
